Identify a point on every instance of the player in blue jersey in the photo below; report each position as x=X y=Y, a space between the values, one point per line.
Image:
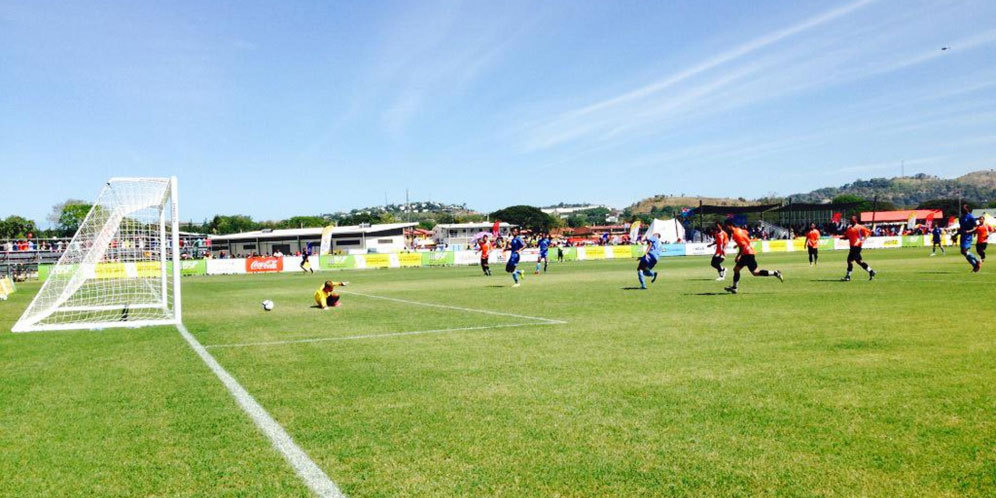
x=514 y=247
x=649 y=259
x=544 y=246
x=935 y=235
x=966 y=230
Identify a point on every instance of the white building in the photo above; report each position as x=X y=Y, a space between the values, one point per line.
x=355 y=239
x=457 y=235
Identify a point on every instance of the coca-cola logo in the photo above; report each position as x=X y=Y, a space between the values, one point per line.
x=256 y=265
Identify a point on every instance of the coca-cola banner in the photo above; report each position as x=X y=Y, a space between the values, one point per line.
x=260 y=265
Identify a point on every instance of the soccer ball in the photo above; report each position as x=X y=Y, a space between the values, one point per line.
x=268 y=305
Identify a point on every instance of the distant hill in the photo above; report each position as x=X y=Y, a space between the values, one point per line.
x=912 y=190
x=660 y=203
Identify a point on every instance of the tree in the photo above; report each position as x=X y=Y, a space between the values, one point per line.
x=226 y=224
x=16 y=227
x=303 y=222
x=862 y=204
x=427 y=224
x=949 y=206
x=528 y=217
x=576 y=220
x=68 y=216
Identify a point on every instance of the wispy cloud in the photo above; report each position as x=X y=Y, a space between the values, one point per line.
x=822 y=54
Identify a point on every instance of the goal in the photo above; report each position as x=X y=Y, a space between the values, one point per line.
x=122 y=268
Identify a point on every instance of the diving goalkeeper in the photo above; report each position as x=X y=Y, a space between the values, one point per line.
x=325 y=296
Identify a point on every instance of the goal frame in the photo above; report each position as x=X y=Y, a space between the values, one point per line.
x=177 y=309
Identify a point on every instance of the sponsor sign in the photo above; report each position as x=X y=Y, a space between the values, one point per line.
x=593 y=252
x=442 y=258
x=226 y=266
x=778 y=245
x=111 y=270
x=668 y=250
x=699 y=249
x=622 y=252
x=466 y=257
x=376 y=260
x=264 y=265
x=192 y=267
x=410 y=259
x=148 y=269
x=337 y=262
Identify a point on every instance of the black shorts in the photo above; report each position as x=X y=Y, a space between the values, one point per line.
x=981 y=246
x=749 y=261
x=854 y=254
x=813 y=251
x=717 y=258
x=484 y=262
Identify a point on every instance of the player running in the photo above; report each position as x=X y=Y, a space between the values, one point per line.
x=326 y=297
x=856 y=235
x=813 y=244
x=649 y=259
x=484 y=247
x=544 y=248
x=936 y=237
x=305 y=264
x=746 y=258
x=515 y=246
x=966 y=228
x=982 y=239
x=719 y=239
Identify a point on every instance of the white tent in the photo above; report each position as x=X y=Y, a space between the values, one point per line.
x=671 y=230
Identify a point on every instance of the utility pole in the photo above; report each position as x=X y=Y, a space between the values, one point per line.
x=902 y=168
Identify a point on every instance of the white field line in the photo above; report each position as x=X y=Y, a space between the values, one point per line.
x=306 y=469
x=377 y=336
x=458 y=308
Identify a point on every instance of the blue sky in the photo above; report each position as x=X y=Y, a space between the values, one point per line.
x=274 y=109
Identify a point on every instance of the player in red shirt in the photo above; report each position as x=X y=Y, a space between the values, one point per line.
x=813 y=244
x=982 y=239
x=719 y=239
x=856 y=235
x=484 y=247
x=746 y=257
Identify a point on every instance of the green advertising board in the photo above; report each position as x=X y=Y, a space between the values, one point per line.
x=193 y=267
x=336 y=262
x=438 y=258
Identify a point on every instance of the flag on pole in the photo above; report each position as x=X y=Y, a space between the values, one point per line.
x=837 y=217
x=930 y=219
x=911 y=224
x=634 y=231
x=494 y=229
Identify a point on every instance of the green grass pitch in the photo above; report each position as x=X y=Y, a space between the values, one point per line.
x=808 y=387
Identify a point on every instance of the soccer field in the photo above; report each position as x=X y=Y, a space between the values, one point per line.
x=440 y=381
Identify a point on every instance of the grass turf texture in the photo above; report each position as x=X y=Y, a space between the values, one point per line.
x=813 y=386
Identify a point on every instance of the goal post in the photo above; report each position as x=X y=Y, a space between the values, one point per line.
x=122 y=267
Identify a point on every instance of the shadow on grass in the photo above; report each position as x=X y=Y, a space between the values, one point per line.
x=832 y=280
x=709 y=294
x=633 y=288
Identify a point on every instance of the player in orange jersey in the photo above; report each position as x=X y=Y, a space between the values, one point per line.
x=484 y=247
x=982 y=239
x=719 y=239
x=856 y=235
x=813 y=244
x=746 y=257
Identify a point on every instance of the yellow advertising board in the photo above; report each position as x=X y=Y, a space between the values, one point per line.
x=410 y=259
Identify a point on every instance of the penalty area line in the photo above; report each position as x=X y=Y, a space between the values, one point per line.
x=378 y=336
x=309 y=472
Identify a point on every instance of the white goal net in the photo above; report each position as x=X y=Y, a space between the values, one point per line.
x=121 y=269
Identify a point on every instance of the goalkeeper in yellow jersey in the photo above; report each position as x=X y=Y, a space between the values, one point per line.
x=325 y=296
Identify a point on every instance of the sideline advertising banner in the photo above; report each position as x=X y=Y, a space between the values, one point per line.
x=226 y=266
x=409 y=260
x=264 y=265
x=336 y=262
x=440 y=258
x=193 y=267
